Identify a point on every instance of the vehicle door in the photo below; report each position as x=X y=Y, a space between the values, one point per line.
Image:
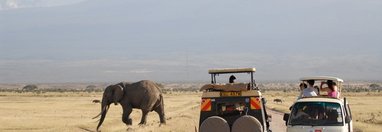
x=348 y=117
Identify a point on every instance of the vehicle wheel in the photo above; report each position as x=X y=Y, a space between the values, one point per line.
x=247 y=124
x=214 y=124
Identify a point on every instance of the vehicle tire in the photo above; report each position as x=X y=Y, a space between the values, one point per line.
x=214 y=124
x=247 y=124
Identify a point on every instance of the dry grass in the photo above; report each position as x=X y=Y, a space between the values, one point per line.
x=366 y=108
x=73 y=112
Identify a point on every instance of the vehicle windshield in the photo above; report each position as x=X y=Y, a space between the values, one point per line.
x=316 y=114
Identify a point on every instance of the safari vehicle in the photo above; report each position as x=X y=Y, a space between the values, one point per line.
x=320 y=113
x=236 y=107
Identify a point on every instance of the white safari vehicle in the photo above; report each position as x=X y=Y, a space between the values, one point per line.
x=232 y=107
x=320 y=113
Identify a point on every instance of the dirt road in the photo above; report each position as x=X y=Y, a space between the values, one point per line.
x=277 y=124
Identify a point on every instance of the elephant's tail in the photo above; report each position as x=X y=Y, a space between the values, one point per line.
x=161 y=100
x=159 y=103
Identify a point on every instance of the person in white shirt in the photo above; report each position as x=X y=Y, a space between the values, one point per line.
x=310 y=90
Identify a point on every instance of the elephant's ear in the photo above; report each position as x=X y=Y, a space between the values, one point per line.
x=118 y=94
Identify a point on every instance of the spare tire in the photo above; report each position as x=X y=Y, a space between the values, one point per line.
x=214 y=124
x=247 y=124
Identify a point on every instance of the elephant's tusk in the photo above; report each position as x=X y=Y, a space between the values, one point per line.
x=100 y=112
x=97 y=115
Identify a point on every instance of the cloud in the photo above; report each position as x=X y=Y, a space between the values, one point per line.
x=101 y=40
x=35 y=70
x=141 y=71
x=191 y=68
x=17 y=4
x=136 y=71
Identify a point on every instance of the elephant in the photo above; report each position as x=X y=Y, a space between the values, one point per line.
x=144 y=95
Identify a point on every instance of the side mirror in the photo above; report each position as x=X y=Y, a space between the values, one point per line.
x=286 y=118
x=269 y=118
x=347 y=119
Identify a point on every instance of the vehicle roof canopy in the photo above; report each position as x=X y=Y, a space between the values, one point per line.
x=231 y=70
x=320 y=99
x=322 y=78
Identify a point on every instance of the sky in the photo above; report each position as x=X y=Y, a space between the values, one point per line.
x=45 y=41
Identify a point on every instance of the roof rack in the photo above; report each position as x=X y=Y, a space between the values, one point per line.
x=322 y=78
x=215 y=72
x=231 y=70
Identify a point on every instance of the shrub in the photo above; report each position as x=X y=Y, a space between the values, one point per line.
x=30 y=87
x=90 y=88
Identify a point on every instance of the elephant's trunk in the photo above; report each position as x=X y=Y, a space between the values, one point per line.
x=105 y=108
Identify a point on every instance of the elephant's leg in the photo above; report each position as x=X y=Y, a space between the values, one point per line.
x=160 y=111
x=144 y=117
x=126 y=115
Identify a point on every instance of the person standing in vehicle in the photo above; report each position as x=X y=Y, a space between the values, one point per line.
x=318 y=90
x=232 y=79
x=303 y=86
x=310 y=90
x=331 y=89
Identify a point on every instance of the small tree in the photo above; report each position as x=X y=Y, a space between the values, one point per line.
x=30 y=87
x=374 y=86
x=90 y=88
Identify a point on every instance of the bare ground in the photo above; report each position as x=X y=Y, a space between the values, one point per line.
x=277 y=124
